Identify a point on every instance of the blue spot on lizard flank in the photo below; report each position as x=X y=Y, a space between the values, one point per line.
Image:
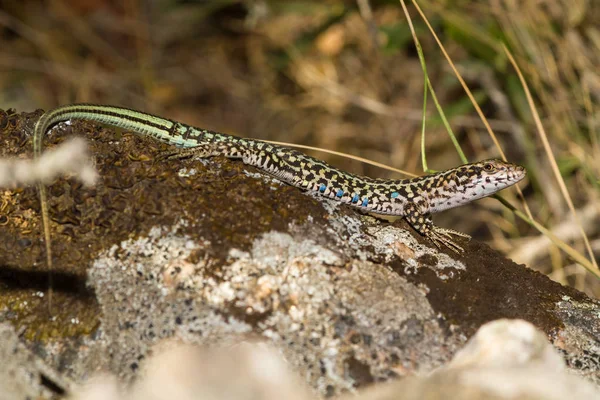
x=340 y=193
x=365 y=202
x=395 y=194
x=355 y=198
x=322 y=188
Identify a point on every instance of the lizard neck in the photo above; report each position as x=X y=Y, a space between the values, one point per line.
x=437 y=192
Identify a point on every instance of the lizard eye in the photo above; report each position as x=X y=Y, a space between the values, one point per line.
x=489 y=167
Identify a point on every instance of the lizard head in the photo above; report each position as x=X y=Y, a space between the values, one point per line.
x=486 y=177
x=470 y=182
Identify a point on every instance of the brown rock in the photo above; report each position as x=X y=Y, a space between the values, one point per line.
x=212 y=251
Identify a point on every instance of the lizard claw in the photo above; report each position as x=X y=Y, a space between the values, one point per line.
x=443 y=236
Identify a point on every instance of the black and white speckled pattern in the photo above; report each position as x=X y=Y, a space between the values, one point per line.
x=415 y=199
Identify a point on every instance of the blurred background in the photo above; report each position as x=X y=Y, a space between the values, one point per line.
x=345 y=75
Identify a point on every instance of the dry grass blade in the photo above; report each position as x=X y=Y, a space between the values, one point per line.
x=433 y=95
x=339 y=153
x=471 y=97
x=47 y=240
x=70 y=157
x=541 y=131
x=460 y=79
x=592 y=267
x=574 y=254
x=377 y=107
x=534 y=249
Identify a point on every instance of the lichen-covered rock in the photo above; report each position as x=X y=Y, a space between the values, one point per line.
x=23 y=375
x=210 y=252
x=340 y=321
x=183 y=372
x=506 y=359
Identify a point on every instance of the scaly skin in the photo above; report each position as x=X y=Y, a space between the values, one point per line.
x=414 y=199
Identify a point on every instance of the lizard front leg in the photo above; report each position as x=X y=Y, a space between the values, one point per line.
x=423 y=223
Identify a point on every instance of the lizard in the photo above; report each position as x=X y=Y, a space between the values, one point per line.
x=414 y=199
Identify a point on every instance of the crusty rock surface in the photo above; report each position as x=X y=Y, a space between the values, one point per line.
x=214 y=252
x=506 y=359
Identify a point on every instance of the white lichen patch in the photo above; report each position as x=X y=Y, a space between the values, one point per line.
x=329 y=205
x=306 y=298
x=349 y=232
x=164 y=248
x=392 y=242
x=580 y=346
x=274 y=248
x=186 y=172
x=203 y=160
x=365 y=237
x=278 y=270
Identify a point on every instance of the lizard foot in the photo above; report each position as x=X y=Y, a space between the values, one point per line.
x=443 y=236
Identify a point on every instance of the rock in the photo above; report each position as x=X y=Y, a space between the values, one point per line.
x=183 y=372
x=22 y=374
x=213 y=252
x=506 y=359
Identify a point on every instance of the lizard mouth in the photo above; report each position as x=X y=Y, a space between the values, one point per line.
x=518 y=174
x=512 y=176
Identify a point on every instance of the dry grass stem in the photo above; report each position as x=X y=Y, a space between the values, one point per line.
x=531 y=250
x=471 y=97
x=346 y=155
x=543 y=136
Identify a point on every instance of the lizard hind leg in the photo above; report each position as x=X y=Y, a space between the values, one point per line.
x=423 y=224
x=187 y=152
